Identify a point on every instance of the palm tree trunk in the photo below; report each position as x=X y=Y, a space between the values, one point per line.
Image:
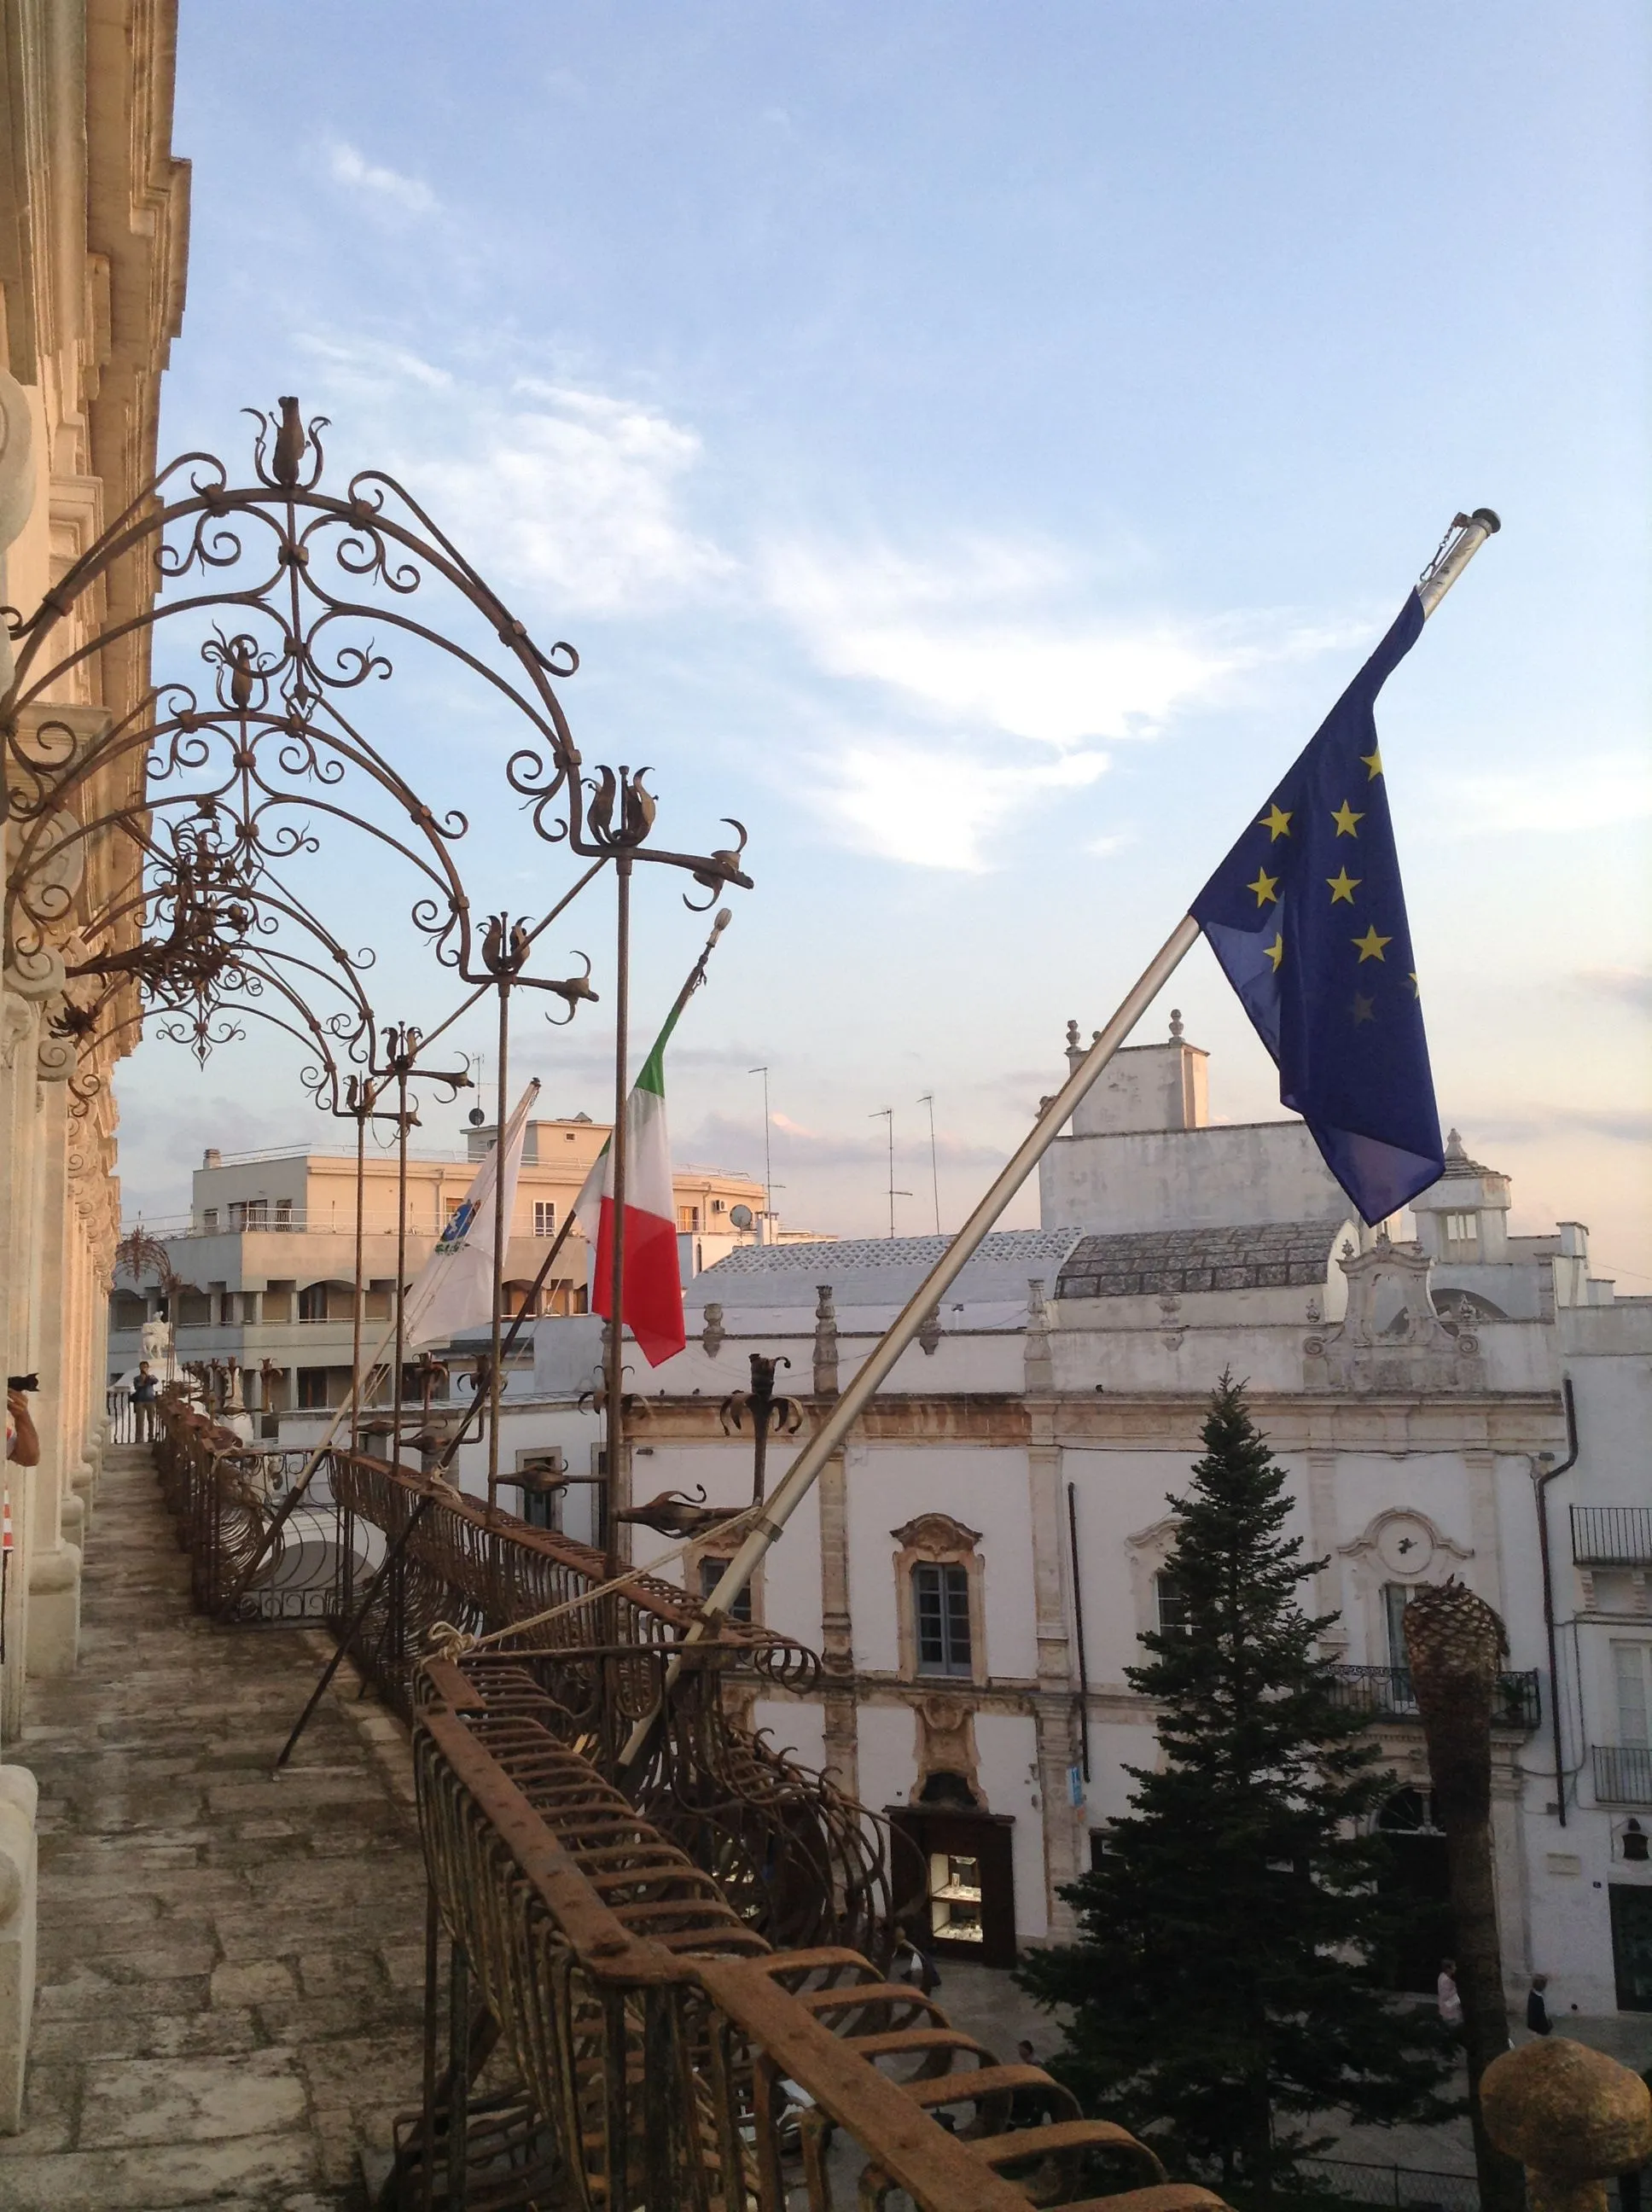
x=1455 y=1643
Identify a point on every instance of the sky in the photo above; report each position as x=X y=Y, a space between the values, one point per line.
x=972 y=446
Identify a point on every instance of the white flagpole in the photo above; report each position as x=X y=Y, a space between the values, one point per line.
x=1462 y=541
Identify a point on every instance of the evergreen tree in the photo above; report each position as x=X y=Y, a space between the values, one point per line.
x=1224 y=1985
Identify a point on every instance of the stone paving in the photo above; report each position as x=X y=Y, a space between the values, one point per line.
x=231 y=1968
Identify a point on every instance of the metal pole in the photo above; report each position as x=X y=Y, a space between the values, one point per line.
x=768 y=1163
x=615 y=1407
x=1079 y=1627
x=1464 y=539
x=928 y=1099
x=358 y=1313
x=1540 y=1491
x=450 y=1450
x=494 y=1354
x=401 y=1249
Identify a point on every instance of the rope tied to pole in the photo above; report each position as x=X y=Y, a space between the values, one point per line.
x=448 y=1642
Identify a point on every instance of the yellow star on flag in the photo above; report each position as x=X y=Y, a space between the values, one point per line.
x=1267 y=888
x=1277 y=823
x=1343 y=886
x=1416 y=988
x=1370 y=947
x=1364 y=1009
x=1373 y=762
x=1276 y=950
x=1345 y=818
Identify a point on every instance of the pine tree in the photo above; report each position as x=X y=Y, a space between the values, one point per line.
x=1225 y=1987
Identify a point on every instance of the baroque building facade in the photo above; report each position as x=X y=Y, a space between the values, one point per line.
x=978 y=1565
x=93 y=224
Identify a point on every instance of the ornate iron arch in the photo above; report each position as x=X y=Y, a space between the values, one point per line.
x=210 y=789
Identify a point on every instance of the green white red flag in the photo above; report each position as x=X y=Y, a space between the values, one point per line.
x=653 y=1287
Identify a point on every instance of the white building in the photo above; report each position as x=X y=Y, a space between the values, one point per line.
x=977 y=1566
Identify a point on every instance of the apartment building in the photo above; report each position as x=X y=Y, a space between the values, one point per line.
x=265 y=1262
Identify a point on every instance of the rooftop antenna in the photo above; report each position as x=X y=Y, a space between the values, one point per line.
x=768 y=1163
x=887 y=1114
x=928 y=1099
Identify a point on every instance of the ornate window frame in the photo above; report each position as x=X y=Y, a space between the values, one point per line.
x=937 y=1540
x=1403 y=1545
x=1149 y=1551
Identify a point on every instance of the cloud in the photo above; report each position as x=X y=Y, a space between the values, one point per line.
x=973 y=639
x=347 y=165
x=1631 y=1125
x=799 y=1149
x=1630 y=987
x=577 y=495
x=1593 y=792
x=932 y=809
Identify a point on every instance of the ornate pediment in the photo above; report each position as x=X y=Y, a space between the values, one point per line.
x=1405 y=1543
x=1391 y=1338
x=936 y=1535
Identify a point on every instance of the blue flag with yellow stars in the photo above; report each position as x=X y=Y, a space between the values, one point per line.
x=1307 y=917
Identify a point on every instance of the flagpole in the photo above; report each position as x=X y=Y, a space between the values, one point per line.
x=1462 y=541
x=494 y=1360
x=616 y=1405
x=401 y=1061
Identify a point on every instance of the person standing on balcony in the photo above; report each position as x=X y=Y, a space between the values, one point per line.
x=23 y=1444
x=146 y=1389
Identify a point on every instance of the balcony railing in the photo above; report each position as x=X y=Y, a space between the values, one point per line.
x=1385 y=1693
x=1622 y=1773
x=1611 y=1536
x=664 y=2054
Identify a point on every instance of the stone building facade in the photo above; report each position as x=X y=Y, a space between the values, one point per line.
x=93 y=224
x=977 y=1566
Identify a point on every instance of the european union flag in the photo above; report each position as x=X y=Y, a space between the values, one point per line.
x=1307 y=917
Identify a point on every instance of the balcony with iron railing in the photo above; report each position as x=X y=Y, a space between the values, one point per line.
x=1386 y=1694
x=1611 y=1536
x=1622 y=1773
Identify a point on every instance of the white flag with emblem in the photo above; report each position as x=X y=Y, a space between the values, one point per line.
x=454 y=1288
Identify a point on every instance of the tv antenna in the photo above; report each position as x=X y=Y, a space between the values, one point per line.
x=887 y=1114
x=928 y=1099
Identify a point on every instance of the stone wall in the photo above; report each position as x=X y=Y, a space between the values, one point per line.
x=92 y=227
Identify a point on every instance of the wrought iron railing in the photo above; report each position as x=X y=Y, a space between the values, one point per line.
x=1611 y=1536
x=1385 y=1693
x=659 y=2053
x=798 y=1858
x=1622 y=1773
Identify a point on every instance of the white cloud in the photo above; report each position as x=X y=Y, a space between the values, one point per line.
x=575 y=493
x=1588 y=793
x=347 y=165
x=579 y=494
x=973 y=639
x=905 y=802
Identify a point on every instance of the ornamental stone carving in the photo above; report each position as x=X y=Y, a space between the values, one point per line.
x=1404 y=1545
x=1391 y=1338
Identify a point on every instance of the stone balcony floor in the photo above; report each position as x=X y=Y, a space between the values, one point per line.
x=231 y=1965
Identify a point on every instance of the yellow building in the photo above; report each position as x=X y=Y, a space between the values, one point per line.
x=266 y=1260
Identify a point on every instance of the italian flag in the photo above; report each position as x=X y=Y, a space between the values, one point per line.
x=652 y=1283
